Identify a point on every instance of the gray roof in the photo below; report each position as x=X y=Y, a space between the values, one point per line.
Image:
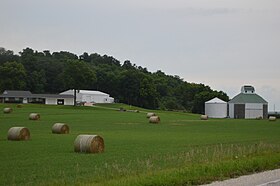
x=16 y=93
x=28 y=94
x=52 y=96
x=247 y=98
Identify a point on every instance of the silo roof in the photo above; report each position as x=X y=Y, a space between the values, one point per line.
x=215 y=100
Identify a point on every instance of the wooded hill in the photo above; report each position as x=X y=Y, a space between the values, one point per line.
x=45 y=72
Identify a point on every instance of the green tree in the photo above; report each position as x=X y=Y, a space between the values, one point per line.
x=78 y=75
x=13 y=76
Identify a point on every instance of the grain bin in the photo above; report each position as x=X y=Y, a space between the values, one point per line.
x=18 y=133
x=272 y=118
x=60 y=128
x=204 y=117
x=7 y=110
x=216 y=108
x=154 y=119
x=149 y=114
x=34 y=116
x=89 y=144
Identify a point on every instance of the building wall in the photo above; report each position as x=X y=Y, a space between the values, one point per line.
x=253 y=110
x=51 y=101
x=231 y=110
x=216 y=110
x=68 y=101
x=248 y=110
x=95 y=98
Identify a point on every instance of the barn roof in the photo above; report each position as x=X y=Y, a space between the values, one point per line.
x=91 y=92
x=247 y=98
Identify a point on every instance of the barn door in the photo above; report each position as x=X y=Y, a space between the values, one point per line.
x=239 y=111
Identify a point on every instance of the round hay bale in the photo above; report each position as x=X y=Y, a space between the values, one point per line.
x=204 y=117
x=149 y=114
x=60 y=128
x=19 y=106
x=89 y=144
x=259 y=118
x=18 y=133
x=34 y=116
x=7 y=110
x=154 y=119
x=272 y=118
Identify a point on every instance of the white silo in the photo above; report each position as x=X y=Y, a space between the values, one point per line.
x=216 y=108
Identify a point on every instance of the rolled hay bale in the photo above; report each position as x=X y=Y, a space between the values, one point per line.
x=204 y=117
x=149 y=114
x=154 y=119
x=272 y=118
x=89 y=144
x=7 y=110
x=60 y=128
x=122 y=109
x=18 y=133
x=259 y=118
x=34 y=116
x=19 y=106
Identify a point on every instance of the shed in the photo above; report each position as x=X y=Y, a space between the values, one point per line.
x=248 y=104
x=90 y=96
x=216 y=108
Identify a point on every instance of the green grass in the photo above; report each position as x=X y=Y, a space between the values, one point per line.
x=181 y=150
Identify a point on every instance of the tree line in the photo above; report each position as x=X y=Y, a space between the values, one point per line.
x=46 y=72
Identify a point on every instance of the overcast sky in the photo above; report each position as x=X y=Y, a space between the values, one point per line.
x=221 y=43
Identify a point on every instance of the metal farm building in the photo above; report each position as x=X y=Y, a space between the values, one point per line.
x=89 y=96
x=248 y=105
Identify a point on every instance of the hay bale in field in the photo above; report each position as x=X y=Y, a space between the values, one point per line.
x=19 y=106
x=259 y=118
x=18 y=133
x=60 y=128
x=204 y=117
x=7 y=110
x=154 y=119
x=122 y=109
x=149 y=114
x=89 y=144
x=34 y=116
x=272 y=118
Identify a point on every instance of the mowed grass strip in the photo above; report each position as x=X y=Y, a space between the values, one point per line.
x=134 y=149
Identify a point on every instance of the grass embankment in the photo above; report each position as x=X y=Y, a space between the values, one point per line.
x=181 y=150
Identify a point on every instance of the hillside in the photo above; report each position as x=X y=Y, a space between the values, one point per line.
x=46 y=72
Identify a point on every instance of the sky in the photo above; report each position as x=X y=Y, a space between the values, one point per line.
x=221 y=43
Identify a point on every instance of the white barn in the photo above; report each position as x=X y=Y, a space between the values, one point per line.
x=89 y=96
x=248 y=105
x=216 y=108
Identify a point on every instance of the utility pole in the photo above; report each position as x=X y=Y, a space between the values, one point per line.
x=75 y=97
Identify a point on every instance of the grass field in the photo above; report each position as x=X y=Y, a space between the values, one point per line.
x=181 y=150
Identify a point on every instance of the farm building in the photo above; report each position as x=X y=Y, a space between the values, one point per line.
x=18 y=96
x=248 y=104
x=89 y=96
x=216 y=108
